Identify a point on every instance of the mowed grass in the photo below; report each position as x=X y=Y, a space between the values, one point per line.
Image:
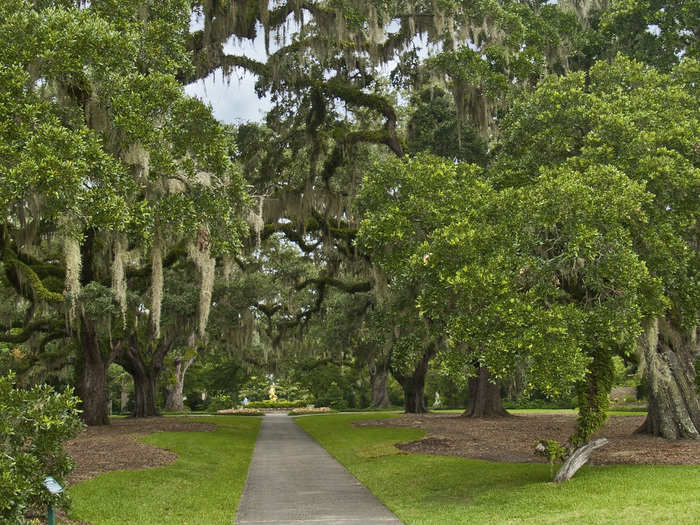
x=444 y=490
x=203 y=486
x=573 y=411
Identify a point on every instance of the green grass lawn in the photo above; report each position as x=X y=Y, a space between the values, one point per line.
x=547 y=411
x=444 y=490
x=203 y=486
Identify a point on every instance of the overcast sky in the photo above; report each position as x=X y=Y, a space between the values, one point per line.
x=234 y=100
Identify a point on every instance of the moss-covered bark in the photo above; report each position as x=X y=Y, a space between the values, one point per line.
x=668 y=352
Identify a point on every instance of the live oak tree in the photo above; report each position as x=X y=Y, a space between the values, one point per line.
x=629 y=117
x=405 y=203
x=109 y=170
x=658 y=32
x=330 y=103
x=517 y=274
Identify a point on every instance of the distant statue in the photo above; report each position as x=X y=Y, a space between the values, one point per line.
x=273 y=395
x=437 y=403
x=245 y=401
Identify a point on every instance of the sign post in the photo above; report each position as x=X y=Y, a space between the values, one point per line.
x=54 y=488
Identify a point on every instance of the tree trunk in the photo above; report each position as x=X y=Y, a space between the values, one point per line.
x=378 y=374
x=414 y=396
x=674 y=406
x=484 y=397
x=174 y=400
x=144 y=394
x=414 y=385
x=145 y=375
x=577 y=459
x=92 y=377
x=91 y=366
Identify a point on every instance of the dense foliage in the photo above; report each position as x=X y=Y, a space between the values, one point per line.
x=34 y=424
x=511 y=210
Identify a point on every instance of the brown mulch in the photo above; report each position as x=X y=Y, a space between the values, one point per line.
x=114 y=447
x=513 y=438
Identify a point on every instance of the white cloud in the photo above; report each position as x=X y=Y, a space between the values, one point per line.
x=234 y=100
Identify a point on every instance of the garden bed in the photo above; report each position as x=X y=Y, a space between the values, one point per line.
x=512 y=439
x=115 y=447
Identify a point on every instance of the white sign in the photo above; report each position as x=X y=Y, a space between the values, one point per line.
x=52 y=485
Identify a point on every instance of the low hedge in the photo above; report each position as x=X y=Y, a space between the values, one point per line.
x=280 y=403
x=303 y=411
x=536 y=404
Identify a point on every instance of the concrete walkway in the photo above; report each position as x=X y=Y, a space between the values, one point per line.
x=293 y=480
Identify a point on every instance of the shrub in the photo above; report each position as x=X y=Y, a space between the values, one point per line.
x=220 y=402
x=34 y=423
x=535 y=404
x=302 y=411
x=280 y=403
x=551 y=449
x=337 y=403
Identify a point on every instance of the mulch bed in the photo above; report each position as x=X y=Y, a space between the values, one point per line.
x=513 y=438
x=114 y=447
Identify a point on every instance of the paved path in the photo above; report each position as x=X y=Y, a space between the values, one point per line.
x=293 y=480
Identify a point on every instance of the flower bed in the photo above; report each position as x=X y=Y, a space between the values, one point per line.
x=309 y=410
x=240 y=412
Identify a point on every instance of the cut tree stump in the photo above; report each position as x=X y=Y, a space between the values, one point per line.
x=578 y=458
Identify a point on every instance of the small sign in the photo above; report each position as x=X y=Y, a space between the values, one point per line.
x=52 y=485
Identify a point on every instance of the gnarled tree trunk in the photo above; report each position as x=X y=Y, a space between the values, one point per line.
x=174 y=400
x=414 y=384
x=668 y=355
x=144 y=372
x=91 y=377
x=145 y=395
x=145 y=378
x=484 y=397
x=378 y=374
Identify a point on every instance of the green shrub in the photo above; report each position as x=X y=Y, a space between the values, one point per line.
x=257 y=389
x=536 y=404
x=34 y=423
x=280 y=403
x=220 y=402
x=551 y=449
x=336 y=403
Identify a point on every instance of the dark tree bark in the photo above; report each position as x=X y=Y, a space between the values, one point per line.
x=378 y=375
x=174 y=399
x=92 y=377
x=92 y=363
x=144 y=366
x=414 y=384
x=144 y=394
x=484 y=397
x=668 y=354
